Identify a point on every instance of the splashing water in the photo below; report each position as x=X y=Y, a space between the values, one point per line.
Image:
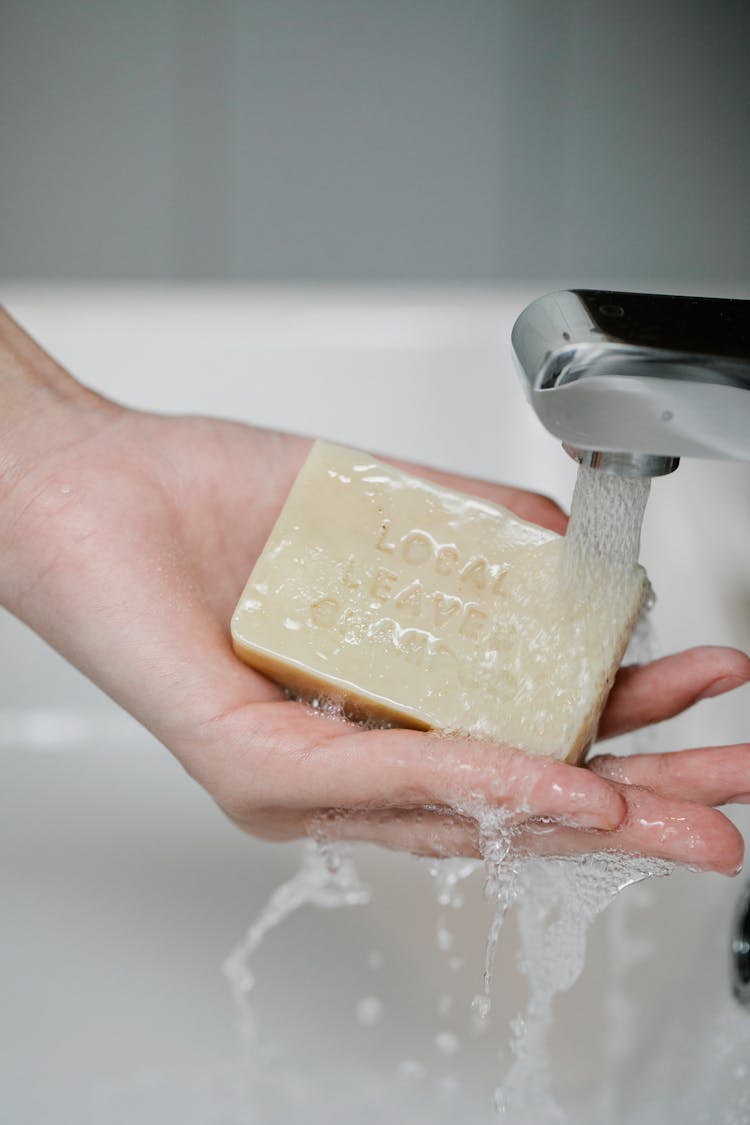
x=556 y=898
x=327 y=878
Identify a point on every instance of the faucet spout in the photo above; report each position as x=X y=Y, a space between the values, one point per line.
x=631 y=382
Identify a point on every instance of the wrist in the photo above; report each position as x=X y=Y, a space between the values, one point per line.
x=44 y=412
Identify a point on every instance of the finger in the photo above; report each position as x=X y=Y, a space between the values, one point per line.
x=715 y=776
x=653 y=692
x=677 y=831
x=279 y=754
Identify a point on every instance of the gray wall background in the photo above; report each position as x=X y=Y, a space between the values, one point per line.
x=439 y=141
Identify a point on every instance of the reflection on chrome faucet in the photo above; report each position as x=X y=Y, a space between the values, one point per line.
x=631 y=382
x=740 y=949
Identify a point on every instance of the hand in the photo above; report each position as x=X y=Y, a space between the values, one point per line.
x=126 y=539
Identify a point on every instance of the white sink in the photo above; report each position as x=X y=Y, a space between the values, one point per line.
x=123 y=887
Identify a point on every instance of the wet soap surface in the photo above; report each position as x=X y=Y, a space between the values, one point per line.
x=412 y=603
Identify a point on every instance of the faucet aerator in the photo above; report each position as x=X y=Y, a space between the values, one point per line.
x=635 y=465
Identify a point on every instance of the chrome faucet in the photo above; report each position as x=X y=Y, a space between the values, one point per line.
x=739 y=965
x=631 y=382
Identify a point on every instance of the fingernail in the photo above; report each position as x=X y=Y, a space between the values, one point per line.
x=610 y=767
x=724 y=684
x=605 y=819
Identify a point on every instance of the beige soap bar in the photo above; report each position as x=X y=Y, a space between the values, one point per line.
x=412 y=603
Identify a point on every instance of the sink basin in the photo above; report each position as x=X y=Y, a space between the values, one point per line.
x=124 y=888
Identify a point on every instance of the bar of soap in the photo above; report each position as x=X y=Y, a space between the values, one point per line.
x=410 y=603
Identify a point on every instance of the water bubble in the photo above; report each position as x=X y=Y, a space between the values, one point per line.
x=447 y=1043
x=480 y=1009
x=369 y=1011
x=411 y=1070
x=449 y=1085
x=445 y=939
x=444 y=1005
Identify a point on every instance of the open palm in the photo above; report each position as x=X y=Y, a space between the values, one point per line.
x=126 y=543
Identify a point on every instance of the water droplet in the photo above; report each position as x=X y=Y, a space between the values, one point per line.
x=449 y=1085
x=480 y=1008
x=445 y=1005
x=411 y=1070
x=444 y=939
x=375 y=960
x=369 y=1011
x=447 y=1042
